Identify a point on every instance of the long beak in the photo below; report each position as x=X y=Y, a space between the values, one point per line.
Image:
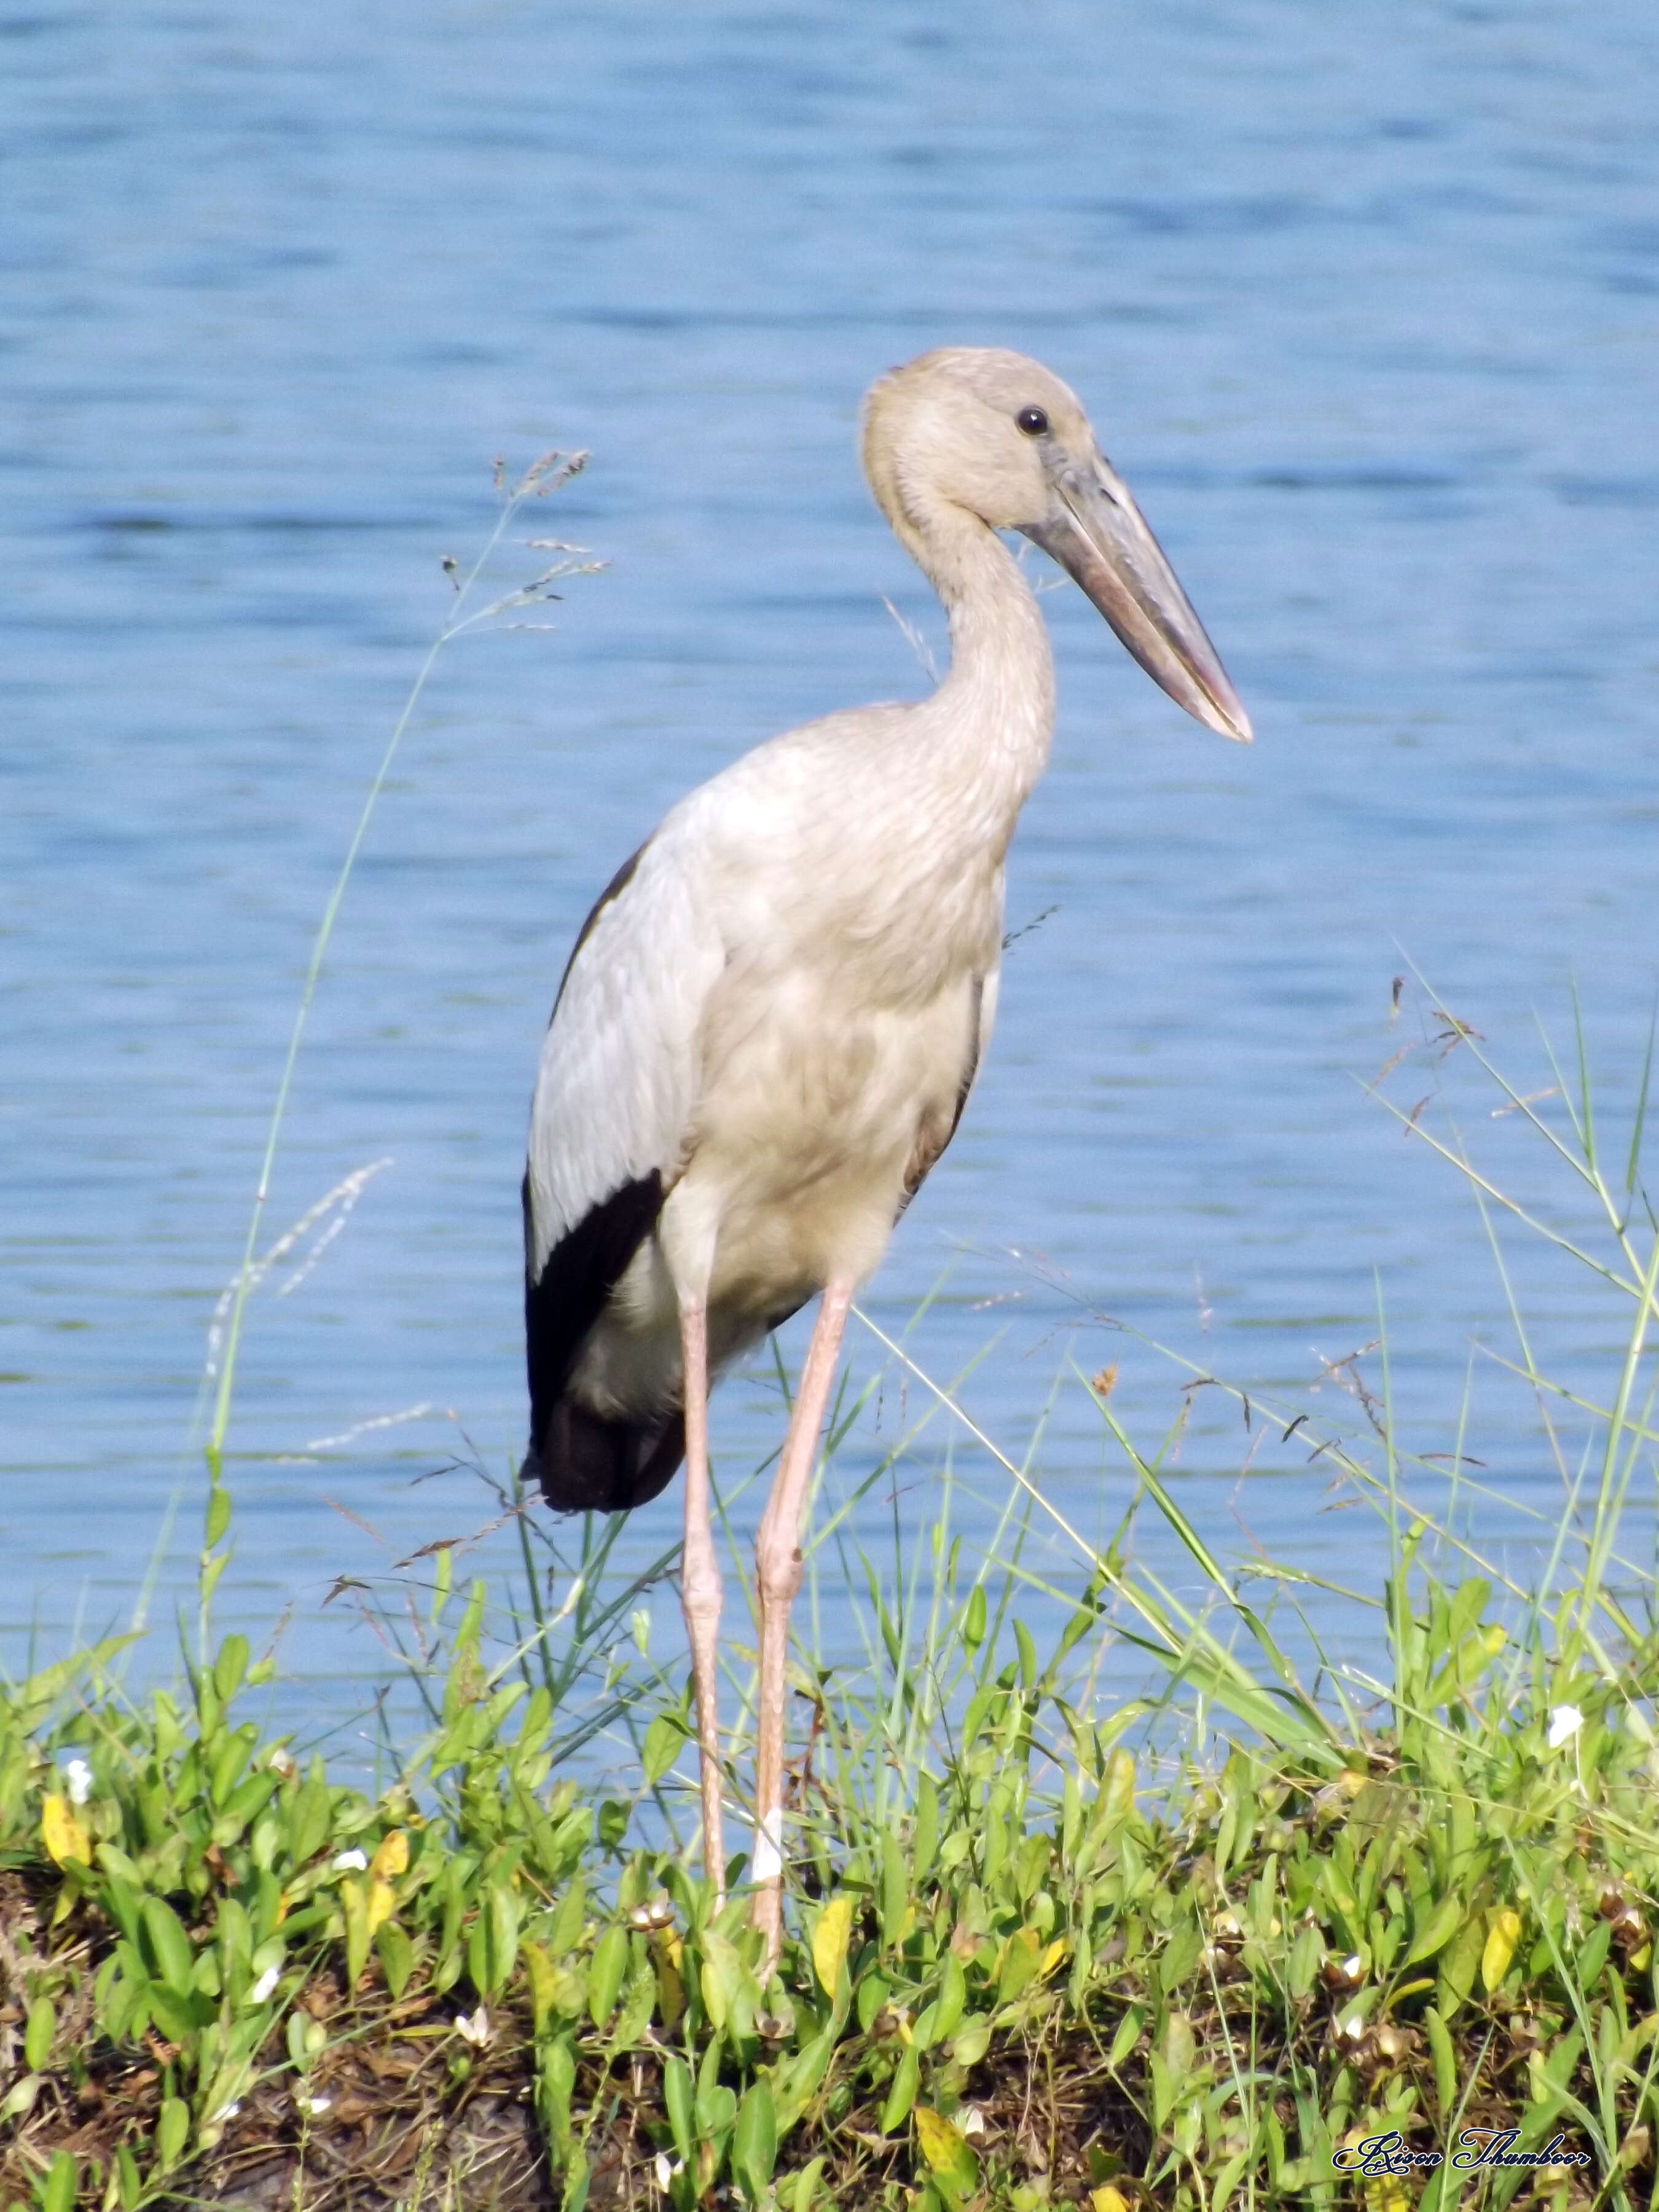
x=1100 y=537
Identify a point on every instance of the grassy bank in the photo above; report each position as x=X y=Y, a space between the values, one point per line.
x=1025 y=1967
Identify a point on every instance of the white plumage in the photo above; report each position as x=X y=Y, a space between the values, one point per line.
x=770 y=1024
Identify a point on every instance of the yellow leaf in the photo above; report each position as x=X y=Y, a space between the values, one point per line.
x=381 y=1905
x=1052 y=1957
x=1501 y=1936
x=942 y=2144
x=62 y=1834
x=1108 y=2199
x=830 y=1940
x=392 y=1858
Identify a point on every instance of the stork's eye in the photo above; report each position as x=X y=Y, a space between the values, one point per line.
x=1033 y=421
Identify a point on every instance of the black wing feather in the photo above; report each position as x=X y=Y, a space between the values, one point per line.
x=584 y=1463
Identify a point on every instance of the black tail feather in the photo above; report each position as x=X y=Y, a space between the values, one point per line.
x=587 y=1464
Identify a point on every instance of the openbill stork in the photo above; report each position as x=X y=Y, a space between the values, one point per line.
x=772 y=1019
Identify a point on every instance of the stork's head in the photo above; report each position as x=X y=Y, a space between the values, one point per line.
x=1001 y=437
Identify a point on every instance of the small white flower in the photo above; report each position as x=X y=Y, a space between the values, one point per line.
x=349 y=1862
x=315 y=2105
x=283 y=1762
x=1565 y=1723
x=476 y=2030
x=665 y=2168
x=1354 y=1966
x=970 y=2120
x=1354 y=2026
x=266 y=1983
x=77 y=1778
x=225 y=2113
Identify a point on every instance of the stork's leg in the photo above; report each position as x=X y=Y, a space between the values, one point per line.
x=777 y=1565
x=700 y=1582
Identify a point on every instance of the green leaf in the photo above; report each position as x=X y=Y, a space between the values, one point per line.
x=606 y=1980
x=924 y=1833
x=129 y=2182
x=795 y=2082
x=493 y=1945
x=172 y=2132
x=62 y=2184
x=639 y=1999
x=577 y=2179
x=729 y=1993
x=1437 y=1931
x=231 y=1665
x=178 y=2018
x=677 y=2095
x=218 y=1516
x=754 y=2144
x=973 y=1621
x=19 y=2100
x=37 y=2036
x=1306 y=1952
x=354 y=1906
x=558 y=2079
x=306 y=2038
x=615 y=1813
x=894 y=1891
x=663 y=1740
x=397 y=1956
x=952 y=1998
x=309 y=1821
x=803 y=2187
x=902 y=2093
x=1020 y=1964
x=716 y=2110
x=169 y=1956
x=1459 y=1964
x=1593 y=1955
x=1128 y=2035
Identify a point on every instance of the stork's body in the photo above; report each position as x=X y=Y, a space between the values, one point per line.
x=770 y=1024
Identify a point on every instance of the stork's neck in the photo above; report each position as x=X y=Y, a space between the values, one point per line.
x=992 y=716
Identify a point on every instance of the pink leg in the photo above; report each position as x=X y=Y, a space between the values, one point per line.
x=700 y=1583
x=777 y=1563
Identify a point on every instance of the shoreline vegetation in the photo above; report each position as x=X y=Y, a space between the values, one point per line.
x=1238 y=1942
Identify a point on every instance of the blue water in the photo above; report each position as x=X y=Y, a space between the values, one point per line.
x=1364 y=304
